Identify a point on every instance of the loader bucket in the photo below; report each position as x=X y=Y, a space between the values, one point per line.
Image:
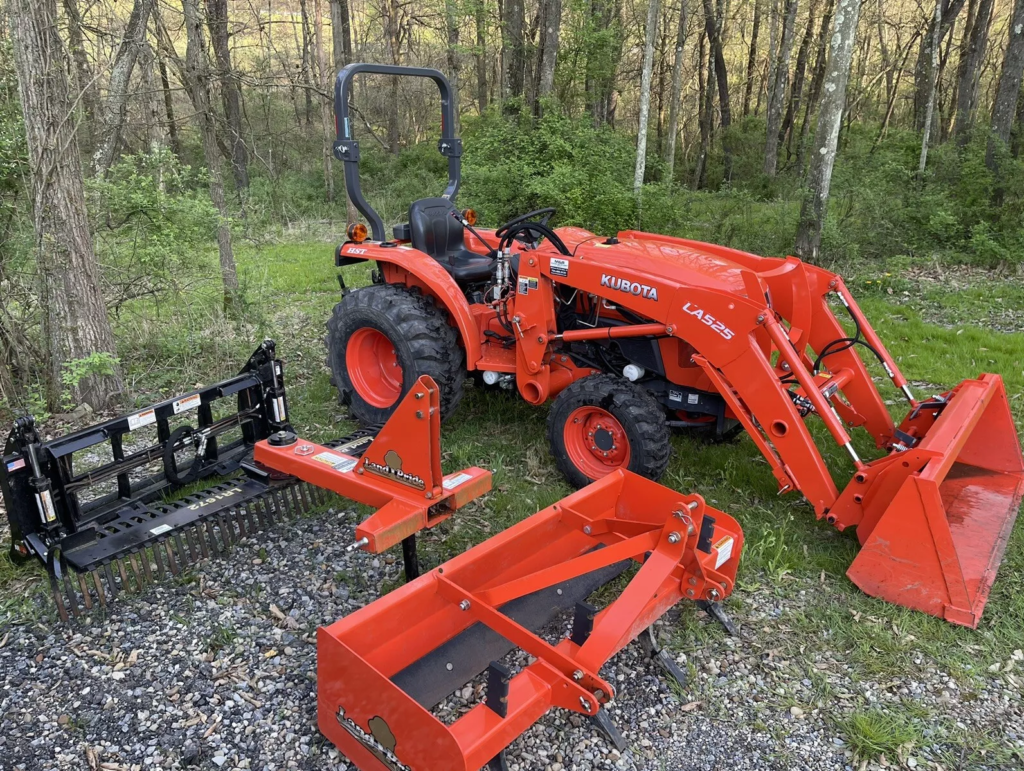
x=937 y=516
x=383 y=670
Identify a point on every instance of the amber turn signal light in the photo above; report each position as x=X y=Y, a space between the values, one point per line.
x=469 y=216
x=357 y=232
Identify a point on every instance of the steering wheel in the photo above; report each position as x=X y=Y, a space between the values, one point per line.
x=500 y=232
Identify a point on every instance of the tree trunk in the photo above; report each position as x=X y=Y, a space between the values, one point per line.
x=550 y=27
x=480 y=55
x=923 y=67
x=706 y=104
x=156 y=131
x=777 y=92
x=86 y=82
x=231 y=94
x=713 y=24
x=929 y=109
x=677 y=90
x=826 y=136
x=120 y=76
x=165 y=87
x=341 y=34
x=306 y=66
x=75 y=321
x=513 y=51
x=197 y=72
x=323 y=79
x=972 y=62
x=817 y=78
x=799 y=75
x=393 y=39
x=452 y=23
x=748 y=87
x=1008 y=92
x=650 y=33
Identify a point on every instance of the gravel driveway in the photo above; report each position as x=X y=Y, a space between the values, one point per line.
x=219 y=672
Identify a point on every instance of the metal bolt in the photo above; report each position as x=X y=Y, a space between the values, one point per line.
x=359 y=470
x=428 y=495
x=674 y=538
x=540 y=338
x=760 y=319
x=585 y=704
x=358 y=544
x=713 y=595
x=464 y=605
x=693 y=581
x=419 y=394
x=577 y=675
x=586 y=529
x=689 y=592
x=449 y=666
x=606 y=455
x=419 y=414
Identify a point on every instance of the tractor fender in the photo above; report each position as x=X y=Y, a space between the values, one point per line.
x=404 y=265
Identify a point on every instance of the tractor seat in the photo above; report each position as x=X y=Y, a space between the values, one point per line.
x=433 y=230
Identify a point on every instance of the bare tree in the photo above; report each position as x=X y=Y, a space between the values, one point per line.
x=480 y=54
x=231 y=94
x=513 y=50
x=923 y=68
x=341 y=33
x=75 y=320
x=929 y=110
x=323 y=79
x=550 y=27
x=713 y=23
x=777 y=92
x=748 y=87
x=826 y=136
x=1008 y=90
x=452 y=21
x=651 y=31
x=817 y=79
x=132 y=44
x=677 y=90
x=971 y=62
x=86 y=81
x=197 y=79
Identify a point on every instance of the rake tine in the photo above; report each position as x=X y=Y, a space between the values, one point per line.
x=201 y=541
x=281 y=499
x=125 y=585
x=58 y=599
x=171 y=563
x=139 y=577
x=69 y=588
x=111 y=583
x=225 y=531
x=193 y=550
x=303 y=493
x=157 y=548
x=255 y=514
x=99 y=588
x=211 y=536
x=183 y=561
x=144 y=559
x=267 y=503
x=86 y=599
x=297 y=506
x=239 y=515
x=316 y=494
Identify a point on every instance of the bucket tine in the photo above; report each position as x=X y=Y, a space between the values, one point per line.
x=69 y=588
x=58 y=599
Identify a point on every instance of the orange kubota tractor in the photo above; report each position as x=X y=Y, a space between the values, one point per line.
x=636 y=334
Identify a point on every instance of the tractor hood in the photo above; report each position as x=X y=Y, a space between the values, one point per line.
x=690 y=262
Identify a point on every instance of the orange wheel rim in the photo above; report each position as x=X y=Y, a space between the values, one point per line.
x=373 y=367
x=595 y=441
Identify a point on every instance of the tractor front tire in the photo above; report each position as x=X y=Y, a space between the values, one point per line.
x=380 y=340
x=602 y=423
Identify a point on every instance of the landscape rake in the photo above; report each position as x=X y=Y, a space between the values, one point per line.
x=476 y=618
x=107 y=509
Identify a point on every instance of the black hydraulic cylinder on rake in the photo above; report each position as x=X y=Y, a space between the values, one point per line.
x=131 y=518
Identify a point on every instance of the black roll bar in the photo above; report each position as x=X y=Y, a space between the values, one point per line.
x=346 y=149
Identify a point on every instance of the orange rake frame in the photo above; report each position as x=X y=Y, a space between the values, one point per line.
x=383 y=668
x=399 y=474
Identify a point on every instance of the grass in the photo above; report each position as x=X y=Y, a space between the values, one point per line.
x=939 y=335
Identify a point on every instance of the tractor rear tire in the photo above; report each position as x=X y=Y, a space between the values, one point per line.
x=602 y=423
x=380 y=340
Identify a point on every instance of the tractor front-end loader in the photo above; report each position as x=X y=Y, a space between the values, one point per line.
x=635 y=335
